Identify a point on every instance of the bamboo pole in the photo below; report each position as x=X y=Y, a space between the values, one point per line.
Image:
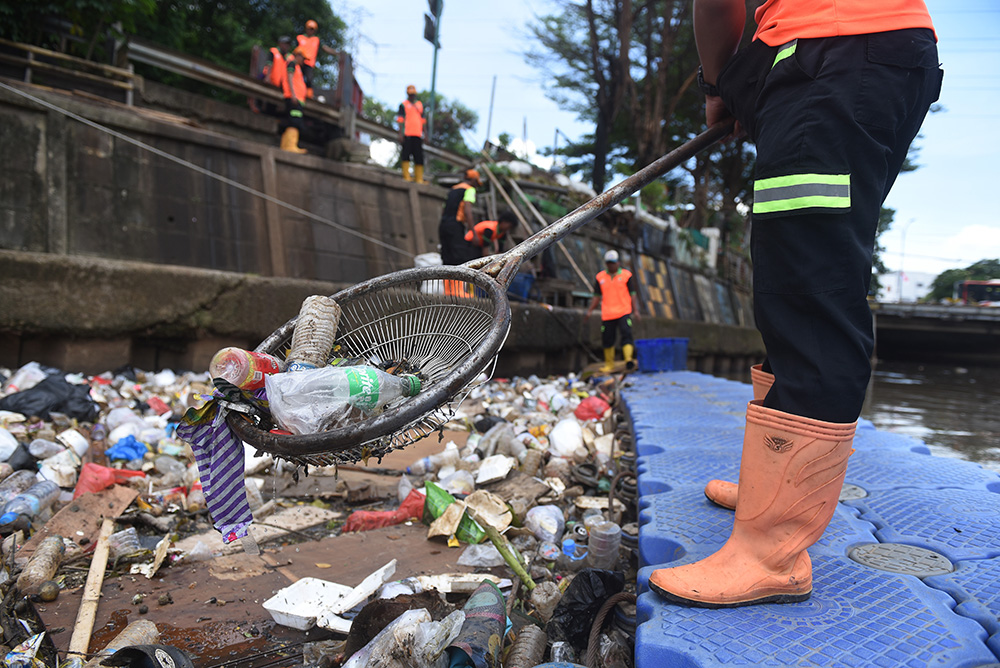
x=84 y=627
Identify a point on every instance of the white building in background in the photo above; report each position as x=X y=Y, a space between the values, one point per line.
x=912 y=285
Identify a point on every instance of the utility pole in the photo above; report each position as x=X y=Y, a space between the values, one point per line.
x=432 y=33
x=489 y=122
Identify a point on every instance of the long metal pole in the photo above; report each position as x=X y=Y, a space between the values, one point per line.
x=434 y=71
x=489 y=121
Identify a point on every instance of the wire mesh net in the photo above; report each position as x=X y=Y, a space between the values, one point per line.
x=445 y=330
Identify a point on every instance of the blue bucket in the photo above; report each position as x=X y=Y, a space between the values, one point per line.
x=520 y=287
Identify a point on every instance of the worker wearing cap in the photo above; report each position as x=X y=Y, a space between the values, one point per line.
x=310 y=45
x=277 y=70
x=294 y=88
x=457 y=219
x=412 y=126
x=615 y=291
x=487 y=235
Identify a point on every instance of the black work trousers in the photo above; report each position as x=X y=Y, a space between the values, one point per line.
x=832 y=119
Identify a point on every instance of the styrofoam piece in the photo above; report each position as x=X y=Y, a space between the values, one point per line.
x=300 y=604
x=312 y=601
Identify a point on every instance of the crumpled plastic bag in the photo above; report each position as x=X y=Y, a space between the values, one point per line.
x=366 y=520
x=53 y=394
x=128 y=449
x=591 y=408
x=578 y=607
x=94 y=478
x=413 y=640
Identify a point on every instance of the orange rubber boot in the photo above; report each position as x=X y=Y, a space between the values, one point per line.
x=722 y=492
x=791 y=474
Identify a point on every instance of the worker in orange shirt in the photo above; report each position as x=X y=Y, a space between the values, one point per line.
x=486 y=236
x=615 y=290
x=294 y=88
x=276 y=71
x=412 y=125
x=311 y=45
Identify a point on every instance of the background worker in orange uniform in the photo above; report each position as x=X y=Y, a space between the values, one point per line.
x=412 y=126
x=615 y=288
x=277 y=70
x=832 y=92
x=310 y=44
x=457 y=219
x=294 y=88
x=487 y=235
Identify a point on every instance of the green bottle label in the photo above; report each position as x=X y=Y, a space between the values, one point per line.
x=363 y=384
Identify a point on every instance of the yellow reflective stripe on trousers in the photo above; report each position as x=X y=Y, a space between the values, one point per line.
x=785 y=51
x=802 y=191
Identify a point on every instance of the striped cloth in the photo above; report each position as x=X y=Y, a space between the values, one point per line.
x=219 y=455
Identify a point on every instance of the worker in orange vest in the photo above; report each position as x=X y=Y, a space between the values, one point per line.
x=412 y=125
x=310 y=45
x=277 y=70
x=615 y=288
x=294 y=88
x=487 y=235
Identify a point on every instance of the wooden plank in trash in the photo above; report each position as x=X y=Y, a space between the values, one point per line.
x=81 y=518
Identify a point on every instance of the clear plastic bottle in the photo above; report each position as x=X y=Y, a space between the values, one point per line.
x=29 y=503
x=42 y=566
x=243 y=368
x=447 y=457
x=314 y=400
x=573 y=557
x=315 y=330
x=15 y=483
x=603 y=545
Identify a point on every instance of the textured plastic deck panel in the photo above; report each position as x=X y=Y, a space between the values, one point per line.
x=689 y=428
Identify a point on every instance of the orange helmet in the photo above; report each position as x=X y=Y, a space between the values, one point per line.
x=312 y=24
x=472 y=176
x=411 y=89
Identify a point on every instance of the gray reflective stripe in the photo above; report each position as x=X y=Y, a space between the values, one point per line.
x=796 y=192
x=810 y=190
x=785 y=51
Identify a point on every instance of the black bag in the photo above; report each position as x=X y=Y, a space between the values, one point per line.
x=53 y=394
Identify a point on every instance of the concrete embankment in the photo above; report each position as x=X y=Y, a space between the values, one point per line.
x=92 y=314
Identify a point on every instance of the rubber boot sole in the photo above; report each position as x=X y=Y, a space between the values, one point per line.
x=694 y=603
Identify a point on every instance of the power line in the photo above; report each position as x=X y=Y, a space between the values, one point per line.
x=205 y=172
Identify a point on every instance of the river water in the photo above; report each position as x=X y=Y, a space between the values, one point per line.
x=954 y=410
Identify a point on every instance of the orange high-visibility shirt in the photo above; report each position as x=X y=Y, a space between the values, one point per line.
x=310 y=48
x=298 y=82
x=615 y=298
x=279 y=69
x=478 y=236
x=411 y=115
x=781 y=21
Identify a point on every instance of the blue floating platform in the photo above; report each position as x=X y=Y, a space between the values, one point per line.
x=688 y=429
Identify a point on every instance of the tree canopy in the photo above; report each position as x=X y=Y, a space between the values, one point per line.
x=944 y=285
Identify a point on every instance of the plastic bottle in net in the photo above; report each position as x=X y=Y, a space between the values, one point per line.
x=314 y=400
x=243 y=368
x=315 y=331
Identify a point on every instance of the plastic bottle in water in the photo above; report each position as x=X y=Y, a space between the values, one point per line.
x=243 y=368
x=449 y=456
x=29 y=503
x=314 y=400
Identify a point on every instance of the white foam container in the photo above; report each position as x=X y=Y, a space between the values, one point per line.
x=300 y=604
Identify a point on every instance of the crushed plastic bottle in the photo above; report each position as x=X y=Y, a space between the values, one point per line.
x=42 y=566
x=15 y=483
x=314 y=400
x=603 y=545
x=315 y=330
x=573 y=557
x=243 y=368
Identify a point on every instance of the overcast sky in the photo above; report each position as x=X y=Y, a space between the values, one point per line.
x=946 y=211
